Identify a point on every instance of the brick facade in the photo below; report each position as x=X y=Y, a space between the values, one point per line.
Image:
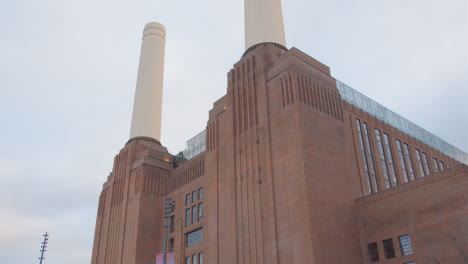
x=284 y=180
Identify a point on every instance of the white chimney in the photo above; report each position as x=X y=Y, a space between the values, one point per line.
x=263 y=22
x=147 y=108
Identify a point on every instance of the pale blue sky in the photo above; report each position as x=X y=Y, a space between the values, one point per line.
x=68 y=71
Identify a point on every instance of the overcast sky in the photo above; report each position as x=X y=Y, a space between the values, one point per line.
x=68 y=72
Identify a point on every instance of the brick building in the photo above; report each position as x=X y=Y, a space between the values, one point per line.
x=294 y=167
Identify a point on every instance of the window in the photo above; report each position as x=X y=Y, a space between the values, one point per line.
x=364 y=158
x=200 y=193
x=171 y=244
x=200 y=258
x=418 y=155
x=426 y=164
x=194 y=259
x=371 y=159
x=200 y=212
x=194 y=196
x=408 y=161
x=187 y=260
x=172 y=223
x=390 y=160
x=382 y=158
x=402 y=160
x=194 y=237
x=441 y=165
x=187 y=199
x=194 y=214
x=187 y=217
x=436 y=165
x=373 y=252
x=411 y=262
x=389 y=250
x=172 y=207
x=405 y=245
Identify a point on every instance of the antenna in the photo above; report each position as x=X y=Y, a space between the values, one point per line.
x=43 y=247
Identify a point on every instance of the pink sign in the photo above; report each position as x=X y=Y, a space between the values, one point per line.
x=170 y=258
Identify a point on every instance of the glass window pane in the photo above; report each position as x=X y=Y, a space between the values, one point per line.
x=426 y=164
x=200 y=193
x=389 y=250
x=436 y=165
x=402 y=160
x=382 y=158
x=405 y=245
x=187 y=260
x=200 y=212
x=418 y=155
x=364 y=158
x=409 y=162
x=194 y=196
x=371 y=159
x=194 y=237
x=187 y=199
x=200 y=258
x=373 y=252
x=194 y=214
x=172 y=223
x=390 y=160
x=194 y=259
x=187 y=217
x=441 y=165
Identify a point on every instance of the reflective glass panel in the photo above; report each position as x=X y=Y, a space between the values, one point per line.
x=382 y=158
x=405 y=245
x=402 y=160
x=364 y=158
x=409 y=162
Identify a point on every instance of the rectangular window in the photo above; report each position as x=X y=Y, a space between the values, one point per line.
x=172 y=207
x=172 y=223
x=436 y=165
x=373 y=252
x=187 y=199
x=411 y=262
x=194 y=214
x=371 y=159
x=389 y=250
x=364 y=158
x=187 y=260
x=390 y=160
x=194 y=196
x=426 y=164
x=409 y=162
x=200 y=258
x=194 y=259
x=418 y=156
x=171 y=244
x=402 y=160
x=382 y=158
x=405 y=245
x=200 y=193
x=200 y=212
x=187 y=217
x=194 y=237
x=441 y=165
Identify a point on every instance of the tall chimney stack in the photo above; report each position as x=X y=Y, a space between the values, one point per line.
x=147 y=108
x=263 y=22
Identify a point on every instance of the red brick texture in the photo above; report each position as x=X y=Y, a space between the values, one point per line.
x=283 y=179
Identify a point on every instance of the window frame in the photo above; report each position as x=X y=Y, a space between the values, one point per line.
x=406 y=249
x=389 y=248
